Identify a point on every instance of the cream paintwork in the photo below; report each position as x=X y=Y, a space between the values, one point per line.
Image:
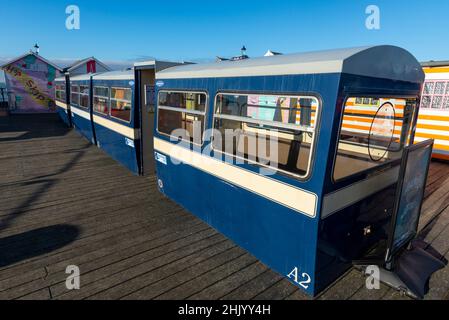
x=289 y=196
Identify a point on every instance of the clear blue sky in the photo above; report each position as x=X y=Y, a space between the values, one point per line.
x=196 y=30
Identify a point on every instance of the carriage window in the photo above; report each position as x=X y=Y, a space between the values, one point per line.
x=60 y=92
x=182 y=110
x=84 y=97
x=101 y=100
x=373 y=134
x=121 y=102
x=75 y=95
x=273 y=131
x=435 y=95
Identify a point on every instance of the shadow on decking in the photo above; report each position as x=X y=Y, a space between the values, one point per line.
x=45 y=186
x=34 y=243
x=22 y=127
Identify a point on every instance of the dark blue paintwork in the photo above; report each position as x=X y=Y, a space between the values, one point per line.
x=280 y=237
x=63 y=114
x=112 y=142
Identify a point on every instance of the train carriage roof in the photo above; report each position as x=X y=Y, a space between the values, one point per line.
x=115 y=75
x=81 y=77
x=386 y=62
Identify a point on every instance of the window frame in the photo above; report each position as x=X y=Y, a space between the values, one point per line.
x=77 y=93
x=108 y=97
x=64 y=90
x=84 y=94
x=121 y=100
x=315 y=133
x=389 y=164
x=204 y=113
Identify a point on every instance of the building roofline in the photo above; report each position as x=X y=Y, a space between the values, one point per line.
x=83 y=61
x=432 y=63
x=37 y=56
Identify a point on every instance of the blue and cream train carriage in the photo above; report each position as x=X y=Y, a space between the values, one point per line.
x=270 y=152
x=115 y=118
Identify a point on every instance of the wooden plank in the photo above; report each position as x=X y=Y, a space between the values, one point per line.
x=278 y=291
x=190 y=288
x=223 y=287
x=148 y=279
x=163 y=286
x=114 y=274
x=250 y=289
x=351 y=282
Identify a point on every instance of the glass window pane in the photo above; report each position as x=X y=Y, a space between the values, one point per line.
x=183 y=100
x=439 y=87
x=121 y=110
x=84 y=90
x=101 y=105
x=425 y=102
x=101 y=100
x=121 y=94
x=288 y=110
x=191 y=125
x=74 y=95
x=447 y=88
x=446 y=103
x=101 y=91
x=84 y=101
x=436 y=102
x=428 y=87
x=283 y=148
x=371 y=135
x=121 y=103
x=60 y=96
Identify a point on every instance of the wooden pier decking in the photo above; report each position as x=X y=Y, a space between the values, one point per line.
x=64 y=202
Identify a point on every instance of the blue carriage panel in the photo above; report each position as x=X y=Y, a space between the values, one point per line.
x=80 y=106
x=281 y=217
x=117 y=131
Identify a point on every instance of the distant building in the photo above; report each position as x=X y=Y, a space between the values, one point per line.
x=435 y=64
x=30 y=83
x=272 y=53
x=88 y=65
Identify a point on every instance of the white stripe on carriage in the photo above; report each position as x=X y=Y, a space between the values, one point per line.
x=437 y=141
x=431 y=131
x=117 y=127
x=81 y=113
x=433 y=122
x=343 y=198
x=433 y=112
x=61 y=105
x=289 y=196
x=437 y=76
